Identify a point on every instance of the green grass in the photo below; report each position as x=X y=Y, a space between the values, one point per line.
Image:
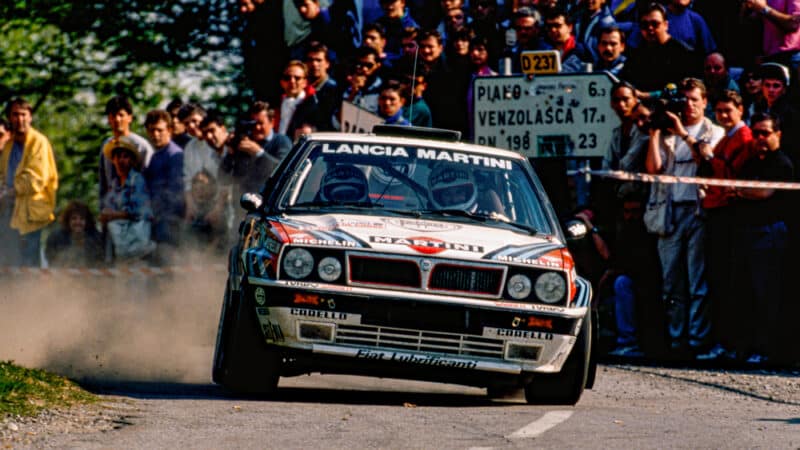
x=25 y=392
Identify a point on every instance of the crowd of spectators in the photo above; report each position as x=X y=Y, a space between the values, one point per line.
x=708 y=268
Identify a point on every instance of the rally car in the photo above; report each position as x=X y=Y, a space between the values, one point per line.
x=405 y=257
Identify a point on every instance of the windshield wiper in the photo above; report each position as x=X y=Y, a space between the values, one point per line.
x=494 y=217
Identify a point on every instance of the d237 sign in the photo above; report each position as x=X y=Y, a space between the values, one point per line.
x=549 y=115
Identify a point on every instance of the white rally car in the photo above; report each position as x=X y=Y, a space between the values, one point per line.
x=405 y=257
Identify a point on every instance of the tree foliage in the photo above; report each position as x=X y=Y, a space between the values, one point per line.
x=68 y=57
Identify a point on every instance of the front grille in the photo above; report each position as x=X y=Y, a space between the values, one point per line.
x=383 y=271
x=415 y=340
x=450 y=277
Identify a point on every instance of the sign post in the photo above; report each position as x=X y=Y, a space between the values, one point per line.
x=566 y=115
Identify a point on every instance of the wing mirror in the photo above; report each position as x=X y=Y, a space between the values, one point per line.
x=575 y=230
x=251 y=201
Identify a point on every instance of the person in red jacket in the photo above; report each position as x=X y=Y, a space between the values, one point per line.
x=724 y=161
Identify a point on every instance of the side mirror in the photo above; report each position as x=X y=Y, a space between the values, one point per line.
x=251 y=201
x=575 y=229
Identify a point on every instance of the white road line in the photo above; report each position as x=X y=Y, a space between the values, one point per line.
x=537 y=427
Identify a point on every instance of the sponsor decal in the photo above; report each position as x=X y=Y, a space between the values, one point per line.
x=324 y=242
x=539 y=322
x=421 y=153
x=318 y=314
x=410 y=358
x=543 y=261
x=272 y=331
x=525 y=334
x=426 y=245
x=272 y=245
x=302 y=284
x=425 y=226
x=261 y=296
x=305 y=299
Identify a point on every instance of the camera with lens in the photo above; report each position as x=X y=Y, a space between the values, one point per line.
x=244 y=127
x=670 y=99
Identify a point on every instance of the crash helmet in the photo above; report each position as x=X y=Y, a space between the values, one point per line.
x=344 y=184
x=452 y=186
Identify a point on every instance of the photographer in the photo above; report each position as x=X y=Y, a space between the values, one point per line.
x=677 y=146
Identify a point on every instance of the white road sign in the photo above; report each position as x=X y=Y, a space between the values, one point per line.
x=549 y=115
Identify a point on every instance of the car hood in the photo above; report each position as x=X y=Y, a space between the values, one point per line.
x=420 y=237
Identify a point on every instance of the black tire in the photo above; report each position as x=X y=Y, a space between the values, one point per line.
x=565 y=387
x=243 y=363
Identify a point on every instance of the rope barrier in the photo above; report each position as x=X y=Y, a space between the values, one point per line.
x=672 y=179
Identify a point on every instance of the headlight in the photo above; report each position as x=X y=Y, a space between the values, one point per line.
x=329 y=269
x=519 y=287
x=298 y=263
x=550 y=287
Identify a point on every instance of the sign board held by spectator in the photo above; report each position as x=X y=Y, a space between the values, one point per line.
x=551 y=115
x=358 y=120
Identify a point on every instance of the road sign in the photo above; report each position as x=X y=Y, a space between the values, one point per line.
x=540 y=62
x=549 y=115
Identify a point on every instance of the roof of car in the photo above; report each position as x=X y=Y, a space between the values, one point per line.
x=418 y=142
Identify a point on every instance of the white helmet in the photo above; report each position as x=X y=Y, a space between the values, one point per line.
x=452 y=186
x=345 y=184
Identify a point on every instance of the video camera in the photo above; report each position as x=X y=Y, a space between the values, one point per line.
x=244 y=127
x=670 y=99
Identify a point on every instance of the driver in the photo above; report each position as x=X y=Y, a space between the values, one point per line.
x=453 y=186
x=344 y=184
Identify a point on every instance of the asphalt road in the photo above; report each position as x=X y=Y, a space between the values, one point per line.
x=630 y=407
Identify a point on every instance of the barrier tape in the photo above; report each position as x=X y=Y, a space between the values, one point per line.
x=672 y=179
x=147 y=271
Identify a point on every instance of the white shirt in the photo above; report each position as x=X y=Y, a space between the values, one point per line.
x=288 y=107
x=198 y=155
x=685 y=165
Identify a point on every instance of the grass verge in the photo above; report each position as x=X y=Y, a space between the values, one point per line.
x=25 y=392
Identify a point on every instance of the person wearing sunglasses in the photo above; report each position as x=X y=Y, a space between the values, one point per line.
x=299 y=103
x=363 y=80
x=763 y=216
x=660 y=59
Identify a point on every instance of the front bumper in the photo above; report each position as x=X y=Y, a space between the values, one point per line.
x=373 y=326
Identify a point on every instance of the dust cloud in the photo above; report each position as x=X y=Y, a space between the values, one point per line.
x=126 y=328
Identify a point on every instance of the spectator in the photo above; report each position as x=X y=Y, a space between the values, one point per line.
x=262 y=138
x=446 y=93
x=125 y=209
x=608 y=54
x=454 y=19
x=750 y=82
x=198 y=155
x=485 y=23
x=525 y=23
x=326 y=88
x=5 y=133
x=215 y=139
x=764 y=235
x=418 y=112
x=318 y=20
x=206 y=229
x=628 y=147
x=375 y=37
x=390 y=103
x=690 y=27
x=256 y=152
x=120 y=116
x=364 y=81
x=632 y=277
x=717 y=80
x=774 y=85
x=443 y=27
x=164 y=178
x=457 y=52
x=395 y=19
x=724 y=161
x=592 y=17
x=781 y=29
x=180 y=135
x=479 y=58
x=681 y=243
x=299 y=104
x=661 y=59
x=76 y=243
x=28 y=184
x=558 y=36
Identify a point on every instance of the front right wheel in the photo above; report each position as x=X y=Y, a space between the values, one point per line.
x=565 y=387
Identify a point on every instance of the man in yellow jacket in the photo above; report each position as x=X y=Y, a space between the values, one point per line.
x=28 y=184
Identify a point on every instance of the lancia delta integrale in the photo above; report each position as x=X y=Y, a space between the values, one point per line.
x=404 y=257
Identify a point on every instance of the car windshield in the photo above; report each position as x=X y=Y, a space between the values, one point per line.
x=425 y=182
